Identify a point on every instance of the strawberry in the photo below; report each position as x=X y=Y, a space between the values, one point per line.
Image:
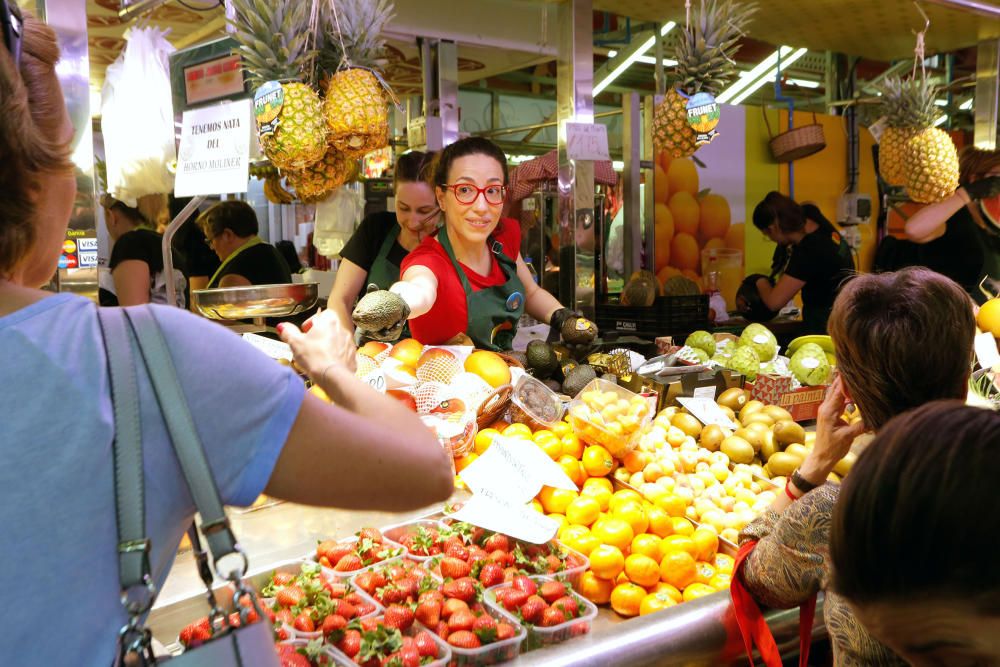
x=390 y=594
x=502 y=558
x=463 y=589
x=409 y=585
x=524 y=583
x=555 y=564
x=491 y=574
x=196 y=633
x=497 y=541
x=290 y=596
x=464 y=639
x=552 y=591
x=399 y=617
x=426 y=645
x=370 y=624
x=372 y=534
x=476 y=554
x=432 y=596
x=336 y=591
x=332 y=623
x=324 y=547
x=511 y=598
x=505 y=631
x=304 y=623
x=552 y=617
x=270 y=614
x=345 y=609
x=452 y=543
x=428 y=613
x=284 y=616
x=365 y=608
x=281 y=579
x=532 y=609
x=337 y=552
x=569 y=606
x=452 y=606
x=282 y=634
x=409 y=656
x=354 y=599
x=484 y=622
x=442 y=630
x=509 y=573
x=349 y=563
x=370 y=581
x=350 y=643
x=461 y=620
x=454 y=568
x=289 y=656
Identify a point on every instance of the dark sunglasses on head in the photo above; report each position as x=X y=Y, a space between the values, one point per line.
x=13 y=30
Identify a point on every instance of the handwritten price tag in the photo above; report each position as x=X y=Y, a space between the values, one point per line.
x=587 y=141
x=707 y=412
x=376 y=380
x=494 y=512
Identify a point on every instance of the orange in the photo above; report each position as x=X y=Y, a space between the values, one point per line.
x=624 y=496
x=988 y=317
x=463 y=463
x=573 y=469
x=705 y=573
x=537 y=506
x=601 y=482
x=572 y=445
x=517 y=431
x=595 y=589
x=724 y=563
x=545 y=434
x=570 y=533
x=663 y=159
x=561 y=518
x=720 y=582
x=586 y=544
x=684 y=252
x=484 y=439
x=556 y=500
x=715 y=216
x=490 y=366
x=646 y=544
x=598 y=493
x=696 y=590
x=677 y=543
x=734 y=237
x=706 y=542
x=684 y=208
x=672 y=505
x=659 y=522
x=683 y=176
x=582 y=511
x=635 y=460
x=615 y=532
x=661 y=185
x=668 y=590
x=627 y=598
x=642 y=570
x=597 y=461
x=607 y=562
x=622 y=579
x=678 y=569
x=634 y=515
x=682 y=526
x=561 y=429
x=655 y=602
x=551 y=446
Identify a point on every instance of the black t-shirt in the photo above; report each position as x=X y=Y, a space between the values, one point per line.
x=818 y=262
x=364 y=244
x=965 y=253
x=145 y=245
x=261 y=264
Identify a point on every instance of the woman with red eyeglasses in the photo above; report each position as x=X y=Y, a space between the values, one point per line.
x=469 y=278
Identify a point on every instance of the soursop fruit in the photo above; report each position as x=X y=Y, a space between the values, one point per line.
x=810 y=366
x=701 y=340
x=745 y=361
x=761 y=340
x=693 y=355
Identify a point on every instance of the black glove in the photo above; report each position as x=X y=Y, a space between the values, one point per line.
x=381 y=314
x=984 y=188
x=556 y=322
x=748 y=300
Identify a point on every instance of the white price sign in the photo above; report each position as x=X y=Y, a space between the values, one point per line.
x=707 y=411
x=587 y=141
x=376 y=380
x=214 y=155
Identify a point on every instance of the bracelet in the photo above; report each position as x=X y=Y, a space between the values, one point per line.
x=788 y=491
x=801 y=483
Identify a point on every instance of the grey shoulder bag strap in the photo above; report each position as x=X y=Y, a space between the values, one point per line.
x=127 y=331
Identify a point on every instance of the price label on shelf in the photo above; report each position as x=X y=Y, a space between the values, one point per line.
x=515 y=470
x=707 y=411
x=587 y=141
x=494 y=512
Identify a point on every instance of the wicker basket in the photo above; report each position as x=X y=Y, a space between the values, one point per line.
x=495 y=406
x=796 y=143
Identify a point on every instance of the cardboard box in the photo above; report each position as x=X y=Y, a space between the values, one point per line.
x=802 y=403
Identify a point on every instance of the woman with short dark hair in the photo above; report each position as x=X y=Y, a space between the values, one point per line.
x=913 y=538
x=231 y=231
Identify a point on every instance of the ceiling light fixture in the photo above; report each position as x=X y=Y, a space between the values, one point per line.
x=631 y=58
x=769 y=76
x=966 y=105
x=803 y=83
x=941 y=120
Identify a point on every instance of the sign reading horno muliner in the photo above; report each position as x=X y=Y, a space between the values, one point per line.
x=214 y=156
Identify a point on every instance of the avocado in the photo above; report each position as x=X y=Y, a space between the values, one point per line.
x=577 y=330
x=379 y=310
x=542 y=361
x=520 y=357
x=578 y=378
x=553 y=385
x=565 y=366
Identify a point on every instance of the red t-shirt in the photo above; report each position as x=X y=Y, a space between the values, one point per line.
x=449 y=315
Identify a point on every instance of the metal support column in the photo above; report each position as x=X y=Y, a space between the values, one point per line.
x=575 y=104
x=987 y=94
x=631 y=177
x=439 y=65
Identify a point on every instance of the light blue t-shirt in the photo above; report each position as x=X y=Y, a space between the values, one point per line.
x=58 y=561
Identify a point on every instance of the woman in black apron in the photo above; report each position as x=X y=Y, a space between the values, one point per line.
x=468 y=281
x=373 y=254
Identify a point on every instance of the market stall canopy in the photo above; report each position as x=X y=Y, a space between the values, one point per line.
x=880 y=30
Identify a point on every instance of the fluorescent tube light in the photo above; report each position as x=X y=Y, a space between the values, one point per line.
x=756 y=85
x=633 y=57
x=803 y=83
x=743 y=81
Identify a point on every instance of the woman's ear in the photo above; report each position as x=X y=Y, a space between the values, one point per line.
x=439 y=194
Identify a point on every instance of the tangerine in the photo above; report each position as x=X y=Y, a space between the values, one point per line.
x=627 y=598
x=682 y=526
x=582 y=511
x=597 y=461
x=624 y=496
x=673 y=505
x=555 y=501
x=595 y=589
x=484 y=439
x=607 y=561
x=724 y=563
x=669 y=591
x=654 y=602
x=598 y=493
x=573 y=469
x=586 y=544
x=642 y=570
x=464 y=462
x=552 y=447
x=517 y=431
x=614 y=532
x=572 y=445
x=677 y=543
x=721 y=581
x=705 y=572
x=635 y=460
x=646 y=544
x=601 y=482
x=678 y=569
x=634 y=515
x=715 y=216
x=706 y=542
x=659 y=522
x=696 y=590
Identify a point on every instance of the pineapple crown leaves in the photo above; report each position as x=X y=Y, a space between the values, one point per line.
x=351 y=33
x=909 y=103
x=273 y=39
x=705 y=50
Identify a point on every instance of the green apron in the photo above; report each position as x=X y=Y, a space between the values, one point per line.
x=384 y=273
x=214 y=282
x=493 y=312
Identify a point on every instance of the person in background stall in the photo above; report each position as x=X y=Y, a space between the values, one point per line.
x=291 y=257
x=374 y=253
x=939 y=601
x=136 y=263
x=231 y=231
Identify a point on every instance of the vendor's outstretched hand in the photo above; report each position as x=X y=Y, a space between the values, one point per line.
x=572 y=327
x=984 y=188
x=381 y=314
x=324 y=343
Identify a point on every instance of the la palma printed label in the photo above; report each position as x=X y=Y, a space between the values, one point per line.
x=703 y=116
x=267 y=103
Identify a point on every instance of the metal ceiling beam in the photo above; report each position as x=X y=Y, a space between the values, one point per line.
x=970 y=6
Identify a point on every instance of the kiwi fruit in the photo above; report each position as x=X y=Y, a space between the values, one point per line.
x=759 y=417
x=734 y=399
x=728 y=412
x=778 y=413
x=845 y=464
x=712 y=437
x=687 y=423
x=749 y=408
x=783 y=464
x=798 y=451
x=769 y=446
x=737 y=449
x=787 y=432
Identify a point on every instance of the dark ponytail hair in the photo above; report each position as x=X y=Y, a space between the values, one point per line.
x=776 y=207
x=413 y=167
x=463 y=148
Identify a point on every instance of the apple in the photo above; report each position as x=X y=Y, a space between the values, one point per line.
x=404 y=397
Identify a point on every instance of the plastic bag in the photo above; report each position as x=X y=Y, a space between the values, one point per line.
x=336 y=218
x=137 y=118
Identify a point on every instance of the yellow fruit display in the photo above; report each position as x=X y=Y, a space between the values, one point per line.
x=663 y=588
x=645 y=544
x=654 y=602
x=583 y=511
x=679 y=569
x=735 y=237
x=634 y=515
x=661 y=185
x=682 y=176
x=614 y=532
x=988 y=317
x=715 y=217
x=697 y=590
x=686 y=213
x=642 y=570
x=673 y=543
x=684 y=252
x=484 y=439
x=597 y=461
x=595 y=589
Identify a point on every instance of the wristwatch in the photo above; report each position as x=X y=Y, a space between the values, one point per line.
x=802 y=484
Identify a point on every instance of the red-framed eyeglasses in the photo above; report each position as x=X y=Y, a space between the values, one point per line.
x=466 y=193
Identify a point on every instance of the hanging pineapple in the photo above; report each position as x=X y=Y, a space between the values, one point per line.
x=912 y=152
x=704 y=55
x=274 y=42
x=355 y=107
x=317 y=182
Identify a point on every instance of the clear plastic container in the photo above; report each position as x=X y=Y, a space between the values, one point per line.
x=326 y=657
x=445 y=655
x=457 y=437
x=396 y=550
x=603 y=414
x=535 y=404
x=405 y=561
x=537 y=636
x=573 y=573
x=396 y=535
x=491 y=654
